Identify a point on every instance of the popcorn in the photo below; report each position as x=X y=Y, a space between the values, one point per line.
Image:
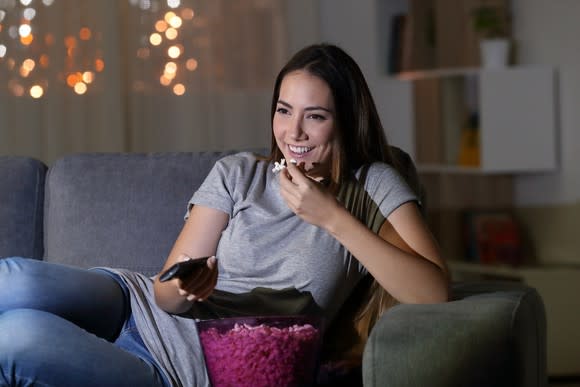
x=278 y=166
x=261 y=356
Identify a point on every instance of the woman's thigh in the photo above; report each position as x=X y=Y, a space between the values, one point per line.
x=90 y=299
x=40 y=348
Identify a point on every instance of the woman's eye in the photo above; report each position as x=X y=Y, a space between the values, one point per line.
x=316 y=117
x=282 y=110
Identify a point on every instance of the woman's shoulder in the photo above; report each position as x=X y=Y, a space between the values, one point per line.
x=381 y=176
x=241 y=159
x=242 y=165
x=379 y=170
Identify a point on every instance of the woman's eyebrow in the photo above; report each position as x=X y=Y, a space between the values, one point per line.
x=282 y=102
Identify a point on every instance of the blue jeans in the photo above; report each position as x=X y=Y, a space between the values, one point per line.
x=65 y=326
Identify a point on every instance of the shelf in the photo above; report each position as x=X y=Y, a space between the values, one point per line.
x=449 y=169
x=436 y=73
x=512 y=111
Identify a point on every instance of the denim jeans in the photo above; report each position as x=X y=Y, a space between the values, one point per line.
x=66 y=326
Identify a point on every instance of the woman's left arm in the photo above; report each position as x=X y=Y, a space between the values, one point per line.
x=403 y=257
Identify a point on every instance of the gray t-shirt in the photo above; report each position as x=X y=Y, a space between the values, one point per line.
x=265 y=250
x=266 y=245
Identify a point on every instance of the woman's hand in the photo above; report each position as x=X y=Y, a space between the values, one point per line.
x=200 y=284
x=306 y=197
x=198 y=238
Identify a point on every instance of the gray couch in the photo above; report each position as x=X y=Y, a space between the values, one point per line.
x=125 y=210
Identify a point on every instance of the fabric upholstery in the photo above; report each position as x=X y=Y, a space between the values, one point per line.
x=120 y=210
x=21 y=206
x=491 y=334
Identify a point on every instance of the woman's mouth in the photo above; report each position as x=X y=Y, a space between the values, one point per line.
x=299 y=151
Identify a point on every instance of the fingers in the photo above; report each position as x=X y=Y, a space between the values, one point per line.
x=296 y=173
x=201 y=284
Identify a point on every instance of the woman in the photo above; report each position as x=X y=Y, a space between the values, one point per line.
x=307 y=234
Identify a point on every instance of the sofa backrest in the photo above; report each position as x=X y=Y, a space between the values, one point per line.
x=120 y=210
x=21 y=206
x=125 y=210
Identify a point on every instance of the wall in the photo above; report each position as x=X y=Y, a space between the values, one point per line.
x=546 y=33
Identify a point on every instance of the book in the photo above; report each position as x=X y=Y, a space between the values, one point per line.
x=492 y=237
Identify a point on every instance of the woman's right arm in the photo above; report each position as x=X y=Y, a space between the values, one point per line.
x=198 y=238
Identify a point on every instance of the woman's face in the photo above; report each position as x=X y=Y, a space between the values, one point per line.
x=304 y=121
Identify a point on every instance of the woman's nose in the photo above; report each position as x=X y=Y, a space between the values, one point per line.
x=295 y=129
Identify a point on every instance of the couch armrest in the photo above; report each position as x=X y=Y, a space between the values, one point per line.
x=491 y=334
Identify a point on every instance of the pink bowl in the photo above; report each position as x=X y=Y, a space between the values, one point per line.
x=261 y=351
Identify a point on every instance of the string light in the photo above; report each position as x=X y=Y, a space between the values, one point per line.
x=25 y=52
x=29 y=54
x=171 y=23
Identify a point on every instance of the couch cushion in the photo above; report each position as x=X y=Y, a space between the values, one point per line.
x=120 y=210
x=21 y=206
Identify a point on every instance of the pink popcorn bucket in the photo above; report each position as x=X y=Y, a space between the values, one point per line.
x=261 y=351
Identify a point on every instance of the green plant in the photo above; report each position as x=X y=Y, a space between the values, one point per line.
x=490 y=21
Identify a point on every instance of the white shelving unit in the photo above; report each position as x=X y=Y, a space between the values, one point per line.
x=516 y=109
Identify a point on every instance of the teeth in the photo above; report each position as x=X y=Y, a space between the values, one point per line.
x=300 y=149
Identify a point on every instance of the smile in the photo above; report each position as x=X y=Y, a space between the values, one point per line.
x=300 y=149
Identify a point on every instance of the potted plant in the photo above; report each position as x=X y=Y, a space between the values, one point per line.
x=491 y=25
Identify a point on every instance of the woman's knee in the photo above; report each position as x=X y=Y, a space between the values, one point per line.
x=23 y=332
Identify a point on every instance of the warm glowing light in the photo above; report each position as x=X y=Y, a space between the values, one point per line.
x=99 y=65
x=2 y=50
x=85 y=33
x=36 y=91
x=175 y=22
x=171 y=33
x=88 y=77
x=80 y=88
x=73 y=79
x=171 y=67
x=24 y=72
x=24 y=30
x=191 y=64
x=48 y=3
x=173 y=52
x=168 y=16
x=179 y=89
x=25 y=2
x=187 y=13
x=27 y=40
x=164 y=80
x=173 y=3
x=28 y=64
x=160 y=26
x=44 y=60
x=70 y=42
x=168 y=75
x=2 y=15
x=155 y=39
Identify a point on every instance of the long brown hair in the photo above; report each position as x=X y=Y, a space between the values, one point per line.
x=361 y=141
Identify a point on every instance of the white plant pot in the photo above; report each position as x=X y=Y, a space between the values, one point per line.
x=494 y=53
